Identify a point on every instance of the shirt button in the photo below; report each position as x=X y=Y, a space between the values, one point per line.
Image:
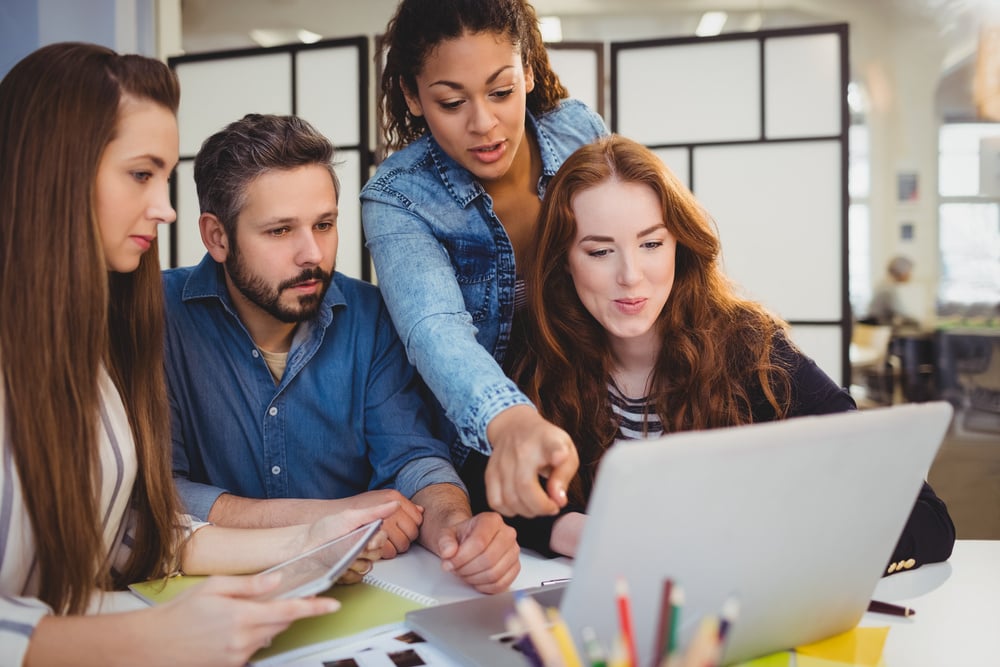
x=276 y=470
x=255 y=354
x=273 y=411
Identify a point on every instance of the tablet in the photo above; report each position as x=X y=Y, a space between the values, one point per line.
x=315 y=570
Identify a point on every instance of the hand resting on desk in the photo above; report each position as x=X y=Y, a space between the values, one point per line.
x=480 y=549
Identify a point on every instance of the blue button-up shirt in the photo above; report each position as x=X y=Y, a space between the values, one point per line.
x=446 y=267
x=348 y=415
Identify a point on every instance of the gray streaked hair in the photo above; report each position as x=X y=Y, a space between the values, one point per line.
x=257 y=143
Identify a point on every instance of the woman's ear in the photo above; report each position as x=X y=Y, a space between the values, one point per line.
x=412 y=99
x=214 y=236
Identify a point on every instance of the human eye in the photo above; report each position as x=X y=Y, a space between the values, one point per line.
x=504 y=93
x=141 y=176
x=651 y=245
x=599 y=252
x=278 y=232
x=450 y=105
x=324 y=226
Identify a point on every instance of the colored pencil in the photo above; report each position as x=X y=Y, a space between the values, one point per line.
x=703 y=649
x=888 y=608
x=533 y=618
x=625 y=620
x=730 y=610
x=663 y=628
x=592 y=647
x=563 y=639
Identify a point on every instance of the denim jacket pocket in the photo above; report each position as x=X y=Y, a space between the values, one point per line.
x=475 y=271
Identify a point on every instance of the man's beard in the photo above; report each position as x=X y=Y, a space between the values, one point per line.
x=268 y=299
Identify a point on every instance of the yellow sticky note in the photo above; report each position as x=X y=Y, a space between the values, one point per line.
x=860 y=646
x=782 y=659
x=812 y=661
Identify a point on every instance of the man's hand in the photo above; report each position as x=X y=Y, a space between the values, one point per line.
x=401 y=528
x=526 y=446
x=365 y=561
x=482 y=550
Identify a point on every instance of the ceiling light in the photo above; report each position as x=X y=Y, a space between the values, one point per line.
x=268 y=37
x=551 y=28
x=711 y=24
x=308 y=36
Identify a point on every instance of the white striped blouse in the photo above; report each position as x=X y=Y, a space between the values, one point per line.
x=20 y=610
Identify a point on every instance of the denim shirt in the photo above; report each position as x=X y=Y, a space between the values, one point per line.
x=445 y=267
x=348 y=415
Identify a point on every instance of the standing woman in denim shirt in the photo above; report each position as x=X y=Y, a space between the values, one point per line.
x=479 y=123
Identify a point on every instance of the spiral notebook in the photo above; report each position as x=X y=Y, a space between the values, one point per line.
x=366 y=609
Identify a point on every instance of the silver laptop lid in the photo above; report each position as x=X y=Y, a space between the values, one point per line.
x=796 y=518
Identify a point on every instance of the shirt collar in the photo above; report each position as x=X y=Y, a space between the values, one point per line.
x=207 y=281
x=461 y=183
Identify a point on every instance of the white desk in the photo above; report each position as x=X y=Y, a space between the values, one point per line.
x=957 y=603
x=957 y=621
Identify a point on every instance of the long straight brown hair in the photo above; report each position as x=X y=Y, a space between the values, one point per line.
x=63 y=316
x=716 y=346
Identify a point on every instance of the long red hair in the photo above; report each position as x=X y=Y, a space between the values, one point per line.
x=717 y=347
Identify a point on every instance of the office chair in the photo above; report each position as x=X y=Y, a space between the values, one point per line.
x=875 y=376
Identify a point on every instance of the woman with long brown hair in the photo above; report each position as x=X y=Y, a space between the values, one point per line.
x=88 y=141
x=634 y=331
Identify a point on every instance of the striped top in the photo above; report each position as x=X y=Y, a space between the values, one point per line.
x=520 y=294
x=20 y=610
x=636 y=417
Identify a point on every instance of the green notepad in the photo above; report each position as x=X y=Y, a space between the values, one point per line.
x=365 y=608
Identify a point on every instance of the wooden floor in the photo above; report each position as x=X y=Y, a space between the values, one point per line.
x=966 y=475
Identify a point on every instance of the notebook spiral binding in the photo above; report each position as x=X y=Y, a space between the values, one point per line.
x=401 y=591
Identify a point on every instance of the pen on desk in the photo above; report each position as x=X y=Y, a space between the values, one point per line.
x=592 y=647
x=625 y=620
x=533 y=618
x=891 y=609
x=663 y=628
x=563 y=639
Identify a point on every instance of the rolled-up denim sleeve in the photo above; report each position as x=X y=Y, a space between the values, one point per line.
x=197 y=498
x=423 y=472
x=420 y=289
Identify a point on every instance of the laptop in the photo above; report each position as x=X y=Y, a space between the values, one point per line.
x=797 y=519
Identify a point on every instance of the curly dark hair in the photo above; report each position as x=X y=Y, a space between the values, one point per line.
x=420 y=25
